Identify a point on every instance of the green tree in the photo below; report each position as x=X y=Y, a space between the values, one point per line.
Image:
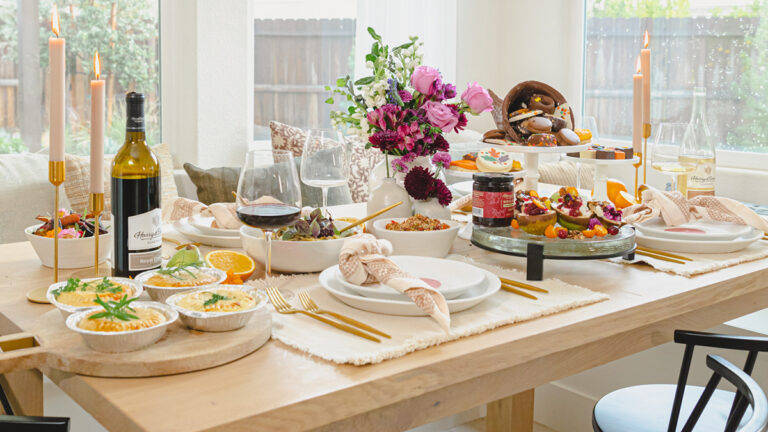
x=640 y=9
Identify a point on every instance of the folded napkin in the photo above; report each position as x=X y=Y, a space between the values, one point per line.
x=224 y=214
x=363 y=259
x=675 y=209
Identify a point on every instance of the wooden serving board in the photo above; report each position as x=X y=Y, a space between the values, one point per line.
x=180 y=350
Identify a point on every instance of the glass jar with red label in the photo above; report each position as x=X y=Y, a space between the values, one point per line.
x=493 y=199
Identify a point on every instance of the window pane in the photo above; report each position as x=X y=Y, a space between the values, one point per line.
x=718 y=44
x=126 y=35
x=300 y=47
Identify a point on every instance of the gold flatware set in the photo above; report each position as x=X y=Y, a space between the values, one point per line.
x=661 y=255
x=516 y=287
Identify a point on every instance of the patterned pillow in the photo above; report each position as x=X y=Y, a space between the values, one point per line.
x=362 y=160
x=77 y=184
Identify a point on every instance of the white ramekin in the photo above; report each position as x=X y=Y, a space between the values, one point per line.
x=66 y=310
x=219 y=321
x=159 y=294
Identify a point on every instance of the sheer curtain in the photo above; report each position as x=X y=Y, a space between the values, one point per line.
x=434 y=21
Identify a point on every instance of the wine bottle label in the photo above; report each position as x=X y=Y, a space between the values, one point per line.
x=138 y=261
x=702 y=180
x=144 y=231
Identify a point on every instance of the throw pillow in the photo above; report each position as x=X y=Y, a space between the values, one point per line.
x=217 y=184
x=361 y=160
x=77 y=183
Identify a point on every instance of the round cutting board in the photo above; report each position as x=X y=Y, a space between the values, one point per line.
x=179 y=350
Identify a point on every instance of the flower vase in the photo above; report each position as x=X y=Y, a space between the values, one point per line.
x=386 y=194
x=431 y=208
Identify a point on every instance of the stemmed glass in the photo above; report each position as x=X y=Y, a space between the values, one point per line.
x=666 y=152
x=324 y=161
x=268 y=195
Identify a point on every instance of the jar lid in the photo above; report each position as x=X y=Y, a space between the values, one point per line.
x=484 y=177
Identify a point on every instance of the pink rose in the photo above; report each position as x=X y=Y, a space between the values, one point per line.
x=477 y=98
x=441 y=115
x=423 y=79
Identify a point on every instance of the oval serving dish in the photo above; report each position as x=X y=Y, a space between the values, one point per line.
x=160 y=294
x=67 y=310
x=123 y=341
x=219 y=321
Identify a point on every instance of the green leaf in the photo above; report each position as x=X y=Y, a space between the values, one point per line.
x=403 y=46
x=329 y=101
x=370 y=57
x=373 y=33
x=215 y=298
x=327 y=88
x=364 y=81
x=184 y=258
x=341 y=82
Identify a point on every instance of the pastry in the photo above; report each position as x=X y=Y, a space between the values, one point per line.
x=618 y=154
x=629 y=152
x=494 y=160
x=557 y=122
x=604 y=154
x=523 y=114
x=497 y=141
x=471 y=156
x=541 y=140
x=494 y=133
x=538 y=124
x=463 y=165
x=567 y=137
x=564 y=112
x=542 y=102
x=588 y=154
x=584 y=134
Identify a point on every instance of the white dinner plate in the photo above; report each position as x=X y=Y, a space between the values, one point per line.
x=699 y=230
x=469 y=299
x=452 y=278
x=203 y=224
x=517 y=148
x=194 y=234
x=463 y=188
x=698 y=246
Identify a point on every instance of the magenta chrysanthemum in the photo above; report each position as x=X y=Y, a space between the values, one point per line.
x=386 y=140
x=419 y=183
x=444 y=195
x=405 y=96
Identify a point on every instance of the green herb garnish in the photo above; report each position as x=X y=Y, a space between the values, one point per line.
x=214 y=299
x=315 y=225
x=72 y=284
x=113 y=309
x=182 y=261
x=107 y=286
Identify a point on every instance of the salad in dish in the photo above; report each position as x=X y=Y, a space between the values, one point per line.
x=71 y=225
x=312 y=227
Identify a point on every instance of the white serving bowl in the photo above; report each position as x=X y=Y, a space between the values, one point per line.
x=294 y=256
x=160 y=294
x=219 y=321
x=132 y=340
x=422 y=243
x=73 y=253
x=67 y=310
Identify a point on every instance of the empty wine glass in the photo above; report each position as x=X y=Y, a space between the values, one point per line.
x=268 y=195
x=666 y=153
x=589 y=122
x=324 y=162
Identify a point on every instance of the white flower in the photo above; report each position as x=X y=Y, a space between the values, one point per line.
x=369 y=64
x=364 y=126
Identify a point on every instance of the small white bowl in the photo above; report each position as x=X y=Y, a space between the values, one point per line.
x=132 y=340
x=294 y=256
x=160 y=294
x=73 y=253
x=422 y=243
x=67 y=310
x=219 y=321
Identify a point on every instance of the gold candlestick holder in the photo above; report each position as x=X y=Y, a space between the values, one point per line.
x=95 y=207
x=637 y=166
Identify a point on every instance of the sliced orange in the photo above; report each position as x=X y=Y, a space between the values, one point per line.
x=614 y=187
x=238 y=264
x=624 y=200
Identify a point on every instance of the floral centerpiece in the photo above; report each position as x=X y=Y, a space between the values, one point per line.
x=404 y=109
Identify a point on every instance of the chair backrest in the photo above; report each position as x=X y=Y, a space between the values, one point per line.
x=746 y=389
x=34 y=424
x=691 y=339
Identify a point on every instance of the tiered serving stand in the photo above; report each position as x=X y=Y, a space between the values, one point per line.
x=536 y=249
x=531 y=157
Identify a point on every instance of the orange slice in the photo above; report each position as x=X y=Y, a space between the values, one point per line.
x=614 y=187
x=238 y=264
x=624 y=200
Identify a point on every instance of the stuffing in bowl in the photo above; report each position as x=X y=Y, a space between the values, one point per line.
x=418 y=235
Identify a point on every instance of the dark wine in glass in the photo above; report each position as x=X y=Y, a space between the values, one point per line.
x=268 y=216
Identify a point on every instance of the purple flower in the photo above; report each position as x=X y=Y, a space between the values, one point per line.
x=399 y=165
x=419 y=183
x=425 y=80
x=408 y=157
x=444 y=195
x=477 y=98
x=405 y=96
x=449 y=91
x=441 y=159
x=594 y=222
x=385 y=140
x=441 y=144
x=441 y=116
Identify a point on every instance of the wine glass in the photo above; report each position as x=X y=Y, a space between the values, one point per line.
x=268 y=195
x=324 y=162
x=666 y=152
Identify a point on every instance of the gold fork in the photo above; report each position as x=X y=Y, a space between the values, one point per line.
x=282 y=306
x=311 y=306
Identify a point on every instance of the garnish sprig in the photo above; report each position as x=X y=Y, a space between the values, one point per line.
x=115 y=309
x=215 y=298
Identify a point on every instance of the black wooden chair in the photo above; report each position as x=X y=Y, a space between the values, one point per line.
x=659 y=407
x=12 y=423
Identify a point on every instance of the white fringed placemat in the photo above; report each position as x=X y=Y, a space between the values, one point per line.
x=413 y=333
x=702 y=263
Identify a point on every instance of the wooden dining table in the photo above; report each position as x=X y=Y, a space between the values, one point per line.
x=278 y=388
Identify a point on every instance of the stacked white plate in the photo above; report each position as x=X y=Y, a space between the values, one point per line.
x=198 y=228
x=462 y=284
x=696 y=237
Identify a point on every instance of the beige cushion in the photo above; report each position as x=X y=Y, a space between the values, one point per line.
x=25 y=193
x=77 y=183
x=564 y=173
x=361 y=160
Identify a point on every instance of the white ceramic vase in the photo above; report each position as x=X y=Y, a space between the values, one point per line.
x=431 y=208
x=386 y=194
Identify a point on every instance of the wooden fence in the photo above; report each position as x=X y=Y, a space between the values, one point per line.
x=685 y=52
x=9 y=85
x=294 y=61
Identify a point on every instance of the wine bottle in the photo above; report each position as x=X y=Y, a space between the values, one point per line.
x=136 y=211
x=698 y=150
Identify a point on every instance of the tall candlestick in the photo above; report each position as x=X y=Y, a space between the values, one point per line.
x=97 y=129
x=637 y=121
x=57 y=60
x=645 y=60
